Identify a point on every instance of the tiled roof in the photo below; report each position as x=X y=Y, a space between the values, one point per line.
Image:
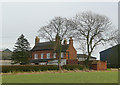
x=48 y=46
x=44 y=46
x=65 y=47
x=7 y=50
x=84 y=56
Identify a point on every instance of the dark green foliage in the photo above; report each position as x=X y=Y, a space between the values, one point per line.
x=21 y=57
x=21 y=51
x=72 y=67
x=112 y=66
x=28 y=68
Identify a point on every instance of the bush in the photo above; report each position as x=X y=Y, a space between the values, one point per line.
x=72 y=67
x=28 y=68
x=113 y=66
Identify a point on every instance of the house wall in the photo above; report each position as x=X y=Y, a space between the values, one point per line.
x=44 y=52
x=83 y=59
x=93 y=66
x=98 y=65
x=72 y=61
x=55 y=62
x=72 y=52
x=102 y=65
x=7 y=62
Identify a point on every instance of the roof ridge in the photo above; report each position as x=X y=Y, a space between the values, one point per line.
x=48 y=46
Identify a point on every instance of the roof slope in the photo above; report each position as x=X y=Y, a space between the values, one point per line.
x=116 y=46
x=48 y=46
x=84 y=56
x=44 y=46
x=5 y=54
x=7 y=50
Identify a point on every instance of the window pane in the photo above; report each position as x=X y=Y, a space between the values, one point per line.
x=62 y=55
x=54 y=55
x=35 y=56
x=42 y=55
x=48 y=55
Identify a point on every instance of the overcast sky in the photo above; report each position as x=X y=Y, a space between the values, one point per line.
x=27 y=18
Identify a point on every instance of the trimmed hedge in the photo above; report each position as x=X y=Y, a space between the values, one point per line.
x=112 y=66
x=72 y=67
x=28 y=68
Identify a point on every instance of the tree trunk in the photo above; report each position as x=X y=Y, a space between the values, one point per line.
x=59 y=59
x=87 y=61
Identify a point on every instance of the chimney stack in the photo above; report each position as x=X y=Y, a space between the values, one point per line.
x=65 y=41
x=37 y=40
x=71 y=41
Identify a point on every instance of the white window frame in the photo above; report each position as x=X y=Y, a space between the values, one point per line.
x=48 y=55
x=54 y=55
x=42 y=55
x=35 y=56
x=62 y=55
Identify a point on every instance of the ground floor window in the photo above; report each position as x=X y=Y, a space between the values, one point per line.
x=62 y=54
x=54 y=56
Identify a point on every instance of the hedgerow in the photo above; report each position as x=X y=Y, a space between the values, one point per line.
x=29 y=68
x=72 y=67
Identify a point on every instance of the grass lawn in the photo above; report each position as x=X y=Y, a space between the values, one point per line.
x=0 y=79
x=73 y=77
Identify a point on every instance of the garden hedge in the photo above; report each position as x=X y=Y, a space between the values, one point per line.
x=28 y=68
x=72 y=67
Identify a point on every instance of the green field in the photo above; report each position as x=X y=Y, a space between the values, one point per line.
x=73 y=77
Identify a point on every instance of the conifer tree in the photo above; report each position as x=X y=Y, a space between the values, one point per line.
x=21 y=51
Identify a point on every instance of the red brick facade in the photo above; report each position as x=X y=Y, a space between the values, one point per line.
x=96 y=64
x=72 y=61
x=44 y=53
x=101 y=65
x=70 y=52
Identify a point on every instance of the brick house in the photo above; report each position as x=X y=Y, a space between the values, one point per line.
x=45 y=52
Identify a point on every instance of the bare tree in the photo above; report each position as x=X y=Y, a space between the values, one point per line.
x=81 y=46
x=92 y=29
x=58 y=26
x=115 y=38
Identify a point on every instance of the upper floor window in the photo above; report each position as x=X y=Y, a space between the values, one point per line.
x=62 y=54
x=35 y=56
x=48 y=55
x=54 y=56
x=42 y=55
